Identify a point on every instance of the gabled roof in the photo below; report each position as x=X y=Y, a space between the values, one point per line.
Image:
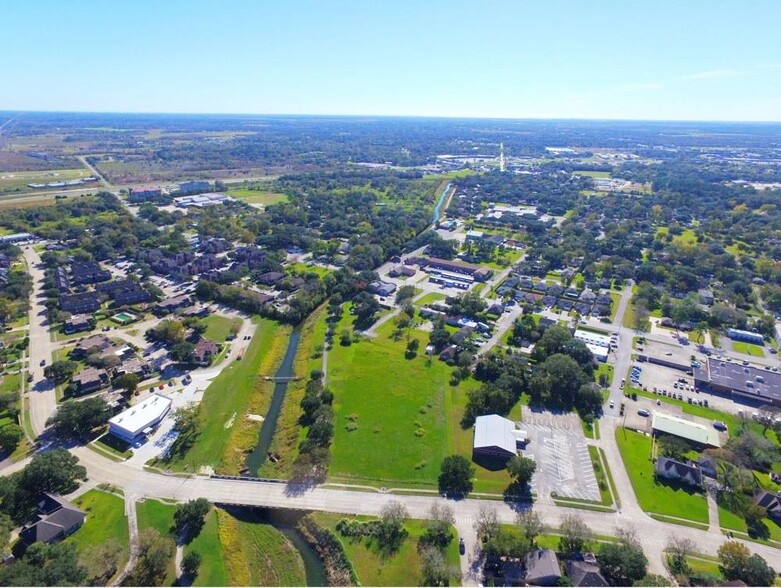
x=542 y=563
x=493 y=430
x=585 y=574
x=56 y=516
x=677 y=469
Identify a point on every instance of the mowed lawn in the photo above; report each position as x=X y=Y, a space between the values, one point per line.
x=227 y=401
x=395 y=406
x=257 y=196
x=105 y=521
x=734 y=522
x=652 y=496
x=218 y=327
x=403 y=568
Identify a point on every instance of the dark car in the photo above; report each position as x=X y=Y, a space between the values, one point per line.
x=43 y=362
x=643 y=412
x=461 y=546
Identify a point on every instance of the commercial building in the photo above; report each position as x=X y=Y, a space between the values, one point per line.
x=143 y=193
x=16 y=238
x=696 y=433
x=592 y=338
x=747 y=336
x=724 y=377
x=140 y=419
x=496 y=438
x=202 y=200
x=479 y=274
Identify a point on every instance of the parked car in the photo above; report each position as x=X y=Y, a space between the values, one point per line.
x=461 y=546
x=643 y=412
x=43 y=362
x=719 y=425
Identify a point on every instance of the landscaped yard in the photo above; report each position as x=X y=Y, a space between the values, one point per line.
x=219 y=328
x=106 y=521
x=403 y=568
x=225 y=432
x=734 y=522
x=652 y=496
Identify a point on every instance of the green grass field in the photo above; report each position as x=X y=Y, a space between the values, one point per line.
x=593 y=174
x=218 y=327
x=257 y=196
x=430 y=298
x=653 y=496
x=748 y=348
x=17 y=181
x=734 y=522
x=303 y=269
x=395 y=406
x=400 y=569
x=212 y=571
x=105 y=521
x=225 y=432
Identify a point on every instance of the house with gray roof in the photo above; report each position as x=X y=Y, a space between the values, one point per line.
x=671 y=469
x=56 y=519
x=542 y=568
x=585 y=572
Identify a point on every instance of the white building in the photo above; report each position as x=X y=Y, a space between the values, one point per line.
x=592 y=338
x=496 y=438
x=140 y=419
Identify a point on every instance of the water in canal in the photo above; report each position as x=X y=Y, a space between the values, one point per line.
x=260 y=453
x=440 y=202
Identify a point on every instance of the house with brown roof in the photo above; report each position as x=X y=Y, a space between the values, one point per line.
x=90 y=345
x=78 y=323
x=56 y=519
x=89 y=380
x=204 y=351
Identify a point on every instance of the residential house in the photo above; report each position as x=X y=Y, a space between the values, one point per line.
x=707 y=465
x=448 y=353
x=89 y=380
x=686 y=473
x=770 y=502
x=78 y=323
x=542 y=568
x=56 y=519
x=214 y=246
x=90 y=345
x=135 y=367
x=705 y=297
x=61 y=280
x=204 y=351
x=381 y=288
x=402 y=271
x=88 y=272
x=585 y=572
x=80 y=303
x=169 y=305
x=270 y=278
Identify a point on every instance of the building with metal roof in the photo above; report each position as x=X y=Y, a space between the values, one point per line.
x=725 y=377
x=496 y=438
x=697 y=433
x=140 y=419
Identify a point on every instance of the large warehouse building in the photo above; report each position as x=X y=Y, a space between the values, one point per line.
x=724 y=377
x=140 y=419
x=496 y=438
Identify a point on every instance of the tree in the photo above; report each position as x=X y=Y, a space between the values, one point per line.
x=622 y=563
x=439 y=338
x=187 y=425
x=434 y=567
x=45 y=565
x=390 y=531
x=190 y=564
x=182 y=352
x=101 y=562
x=576 y=537
x=78 y=419
x=486 y=523
x=679 y=549
x=412 y=348
x=531 y=524
x=455 y=477
x=190 y=517
x=6 y=526
x=673 y=447
x=60 y=371
x=56 y=471
x=438 y=527
x=127 y=382
x=737 y=563
x=154 y=552
x=521 y=469
x=652 y=580
x=10 y=436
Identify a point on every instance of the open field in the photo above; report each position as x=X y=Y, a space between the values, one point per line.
x=652 y=496
x=748 y=348
x=387 y=429
x=403 y=568
x=225 y=431
x=303 y=269
x=593 y=174
x=106 y=521
x=17 y=181
x=218 y=327
x=257 y=196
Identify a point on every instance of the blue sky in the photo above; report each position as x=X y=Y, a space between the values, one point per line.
x=622 y=59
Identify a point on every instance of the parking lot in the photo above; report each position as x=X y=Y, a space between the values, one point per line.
x=557 y=444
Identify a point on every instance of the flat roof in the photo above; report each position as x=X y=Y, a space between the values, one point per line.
x=736 y=377
x=599 y=350
x=667 y=423
x=592 y=337
x=138 y=417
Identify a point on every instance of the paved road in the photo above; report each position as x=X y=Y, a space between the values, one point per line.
x=43 y=402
